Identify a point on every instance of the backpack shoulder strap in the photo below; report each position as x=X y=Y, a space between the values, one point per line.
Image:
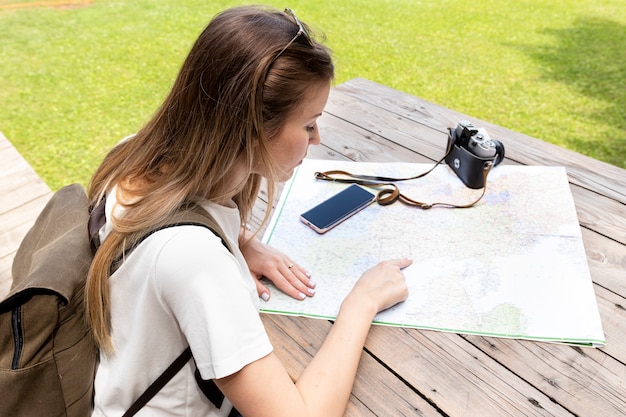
x=159 y=383
x=191 y=215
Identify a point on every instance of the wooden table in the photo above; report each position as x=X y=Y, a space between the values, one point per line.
x=407 y=372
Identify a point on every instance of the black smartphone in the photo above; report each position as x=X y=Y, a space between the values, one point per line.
x=337 y=208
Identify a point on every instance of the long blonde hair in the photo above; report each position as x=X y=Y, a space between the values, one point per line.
x=236 y=87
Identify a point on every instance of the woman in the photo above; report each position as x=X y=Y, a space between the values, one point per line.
x=243 y=107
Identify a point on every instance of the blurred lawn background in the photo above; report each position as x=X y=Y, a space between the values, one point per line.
x=76 y=79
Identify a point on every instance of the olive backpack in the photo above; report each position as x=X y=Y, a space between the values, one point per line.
x=48 y=356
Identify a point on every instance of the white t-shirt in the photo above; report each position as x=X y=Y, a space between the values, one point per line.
x=181 y=287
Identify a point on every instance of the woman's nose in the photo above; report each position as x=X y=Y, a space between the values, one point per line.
x=315 y=138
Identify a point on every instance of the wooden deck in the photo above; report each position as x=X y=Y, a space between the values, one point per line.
x=22 y=196
x=407 y=372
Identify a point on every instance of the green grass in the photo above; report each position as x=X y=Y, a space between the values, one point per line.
x=73 y=81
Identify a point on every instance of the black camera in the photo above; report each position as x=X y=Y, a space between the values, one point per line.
x=470 y=151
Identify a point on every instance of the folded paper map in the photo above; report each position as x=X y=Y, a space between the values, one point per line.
x=512 y=266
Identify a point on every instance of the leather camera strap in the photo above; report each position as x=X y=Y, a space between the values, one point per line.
x=389 y=192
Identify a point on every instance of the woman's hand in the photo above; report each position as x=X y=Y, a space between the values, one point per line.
x=381 y=286
x=265 y=261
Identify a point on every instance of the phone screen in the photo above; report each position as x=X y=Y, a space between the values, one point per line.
x=337 y=208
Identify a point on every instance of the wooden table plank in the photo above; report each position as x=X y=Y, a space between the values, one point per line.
x=610 y=221
x=586 y=381
x=458 y=377
x=607 y=261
